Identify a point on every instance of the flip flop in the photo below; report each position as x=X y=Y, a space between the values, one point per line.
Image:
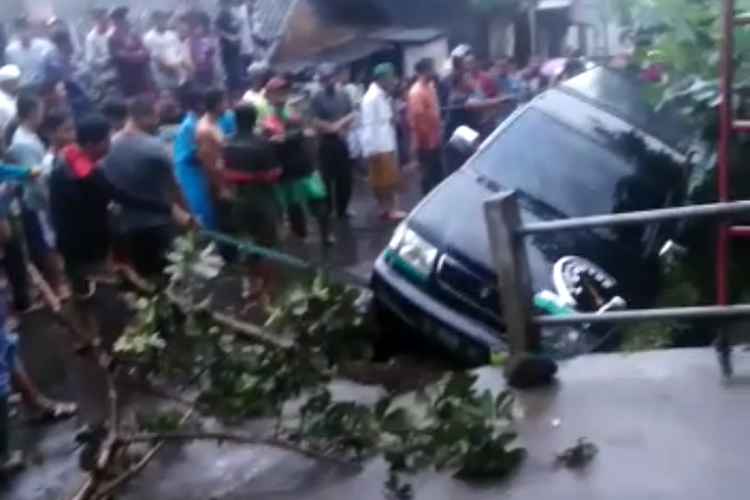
x=52 y=413
x=12 y=464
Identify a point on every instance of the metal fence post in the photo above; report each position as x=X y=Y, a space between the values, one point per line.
x=511 y=262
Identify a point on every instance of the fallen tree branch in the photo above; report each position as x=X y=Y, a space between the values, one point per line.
x=48 y=295
x=242 y=439
x=106 y=490
x=244 y=330
x=111 y=443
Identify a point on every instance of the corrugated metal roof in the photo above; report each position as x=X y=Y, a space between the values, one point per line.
x=273 y=16
x=405 y=35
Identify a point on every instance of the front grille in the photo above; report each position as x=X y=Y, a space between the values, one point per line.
x=468 y=291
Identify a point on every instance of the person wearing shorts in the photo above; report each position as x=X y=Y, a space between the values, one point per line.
x=379 y=143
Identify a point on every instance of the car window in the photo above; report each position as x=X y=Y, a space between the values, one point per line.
x=567 y=170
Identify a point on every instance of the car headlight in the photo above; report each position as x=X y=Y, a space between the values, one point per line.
x=410 y=252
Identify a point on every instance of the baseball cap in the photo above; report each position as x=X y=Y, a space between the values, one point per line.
x=9 y=72
x=382 y=70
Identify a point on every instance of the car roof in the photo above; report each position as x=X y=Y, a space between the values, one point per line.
x=623 y=95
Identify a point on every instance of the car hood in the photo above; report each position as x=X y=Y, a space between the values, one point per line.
x=452 y=218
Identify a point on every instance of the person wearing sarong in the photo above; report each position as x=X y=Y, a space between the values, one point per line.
x=379 y=142
x=253 y=172
x=302 y=190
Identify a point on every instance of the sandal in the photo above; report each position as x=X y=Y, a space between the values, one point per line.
x=52 y=413
x=12 y=464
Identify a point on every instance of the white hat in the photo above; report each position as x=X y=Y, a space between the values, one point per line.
x=461 y=50
x=9 y=72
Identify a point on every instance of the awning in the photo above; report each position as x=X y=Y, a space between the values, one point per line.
x=553 y=4
x=342 y=54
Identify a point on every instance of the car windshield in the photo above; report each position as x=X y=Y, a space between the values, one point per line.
x=565 y=169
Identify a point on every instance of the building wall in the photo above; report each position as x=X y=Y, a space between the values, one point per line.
x=596 y=28
x=307 y=34
x=501 y=40
x=436 y=49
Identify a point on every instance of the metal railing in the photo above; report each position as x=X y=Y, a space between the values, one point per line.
x=506 y=233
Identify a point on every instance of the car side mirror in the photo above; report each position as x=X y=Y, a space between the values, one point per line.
x=671 y=253
x=464 y=139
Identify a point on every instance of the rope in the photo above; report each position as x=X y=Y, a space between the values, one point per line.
x=247 y=247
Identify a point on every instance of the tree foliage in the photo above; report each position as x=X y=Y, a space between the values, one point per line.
x=686 y=38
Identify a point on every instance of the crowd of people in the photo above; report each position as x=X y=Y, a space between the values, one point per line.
x=110 y=151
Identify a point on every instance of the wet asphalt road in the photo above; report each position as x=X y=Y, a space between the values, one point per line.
x=200 y=471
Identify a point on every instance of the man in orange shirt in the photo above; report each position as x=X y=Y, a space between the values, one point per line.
x=423 y=111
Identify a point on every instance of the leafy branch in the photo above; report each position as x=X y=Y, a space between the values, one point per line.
x=451 y=427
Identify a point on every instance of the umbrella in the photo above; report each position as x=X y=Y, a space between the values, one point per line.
x=553 y=67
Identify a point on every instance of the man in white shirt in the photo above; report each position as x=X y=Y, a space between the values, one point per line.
x=27 y=52
x=168 y=54
x=378 y=141
x=96 y=45
x=10 y=78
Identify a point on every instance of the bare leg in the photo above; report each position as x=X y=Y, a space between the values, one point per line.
x=11 y=461
x=51 y=268
x=43 y=408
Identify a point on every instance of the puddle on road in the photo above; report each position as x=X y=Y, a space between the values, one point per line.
x=203 y=470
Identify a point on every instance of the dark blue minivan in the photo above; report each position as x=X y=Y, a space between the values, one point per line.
x=588 y=146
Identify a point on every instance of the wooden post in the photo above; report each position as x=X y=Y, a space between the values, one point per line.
x=512 y=266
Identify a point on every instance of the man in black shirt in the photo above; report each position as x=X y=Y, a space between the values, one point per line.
x=138 y=164
x=253 y=170
x=228 y=28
